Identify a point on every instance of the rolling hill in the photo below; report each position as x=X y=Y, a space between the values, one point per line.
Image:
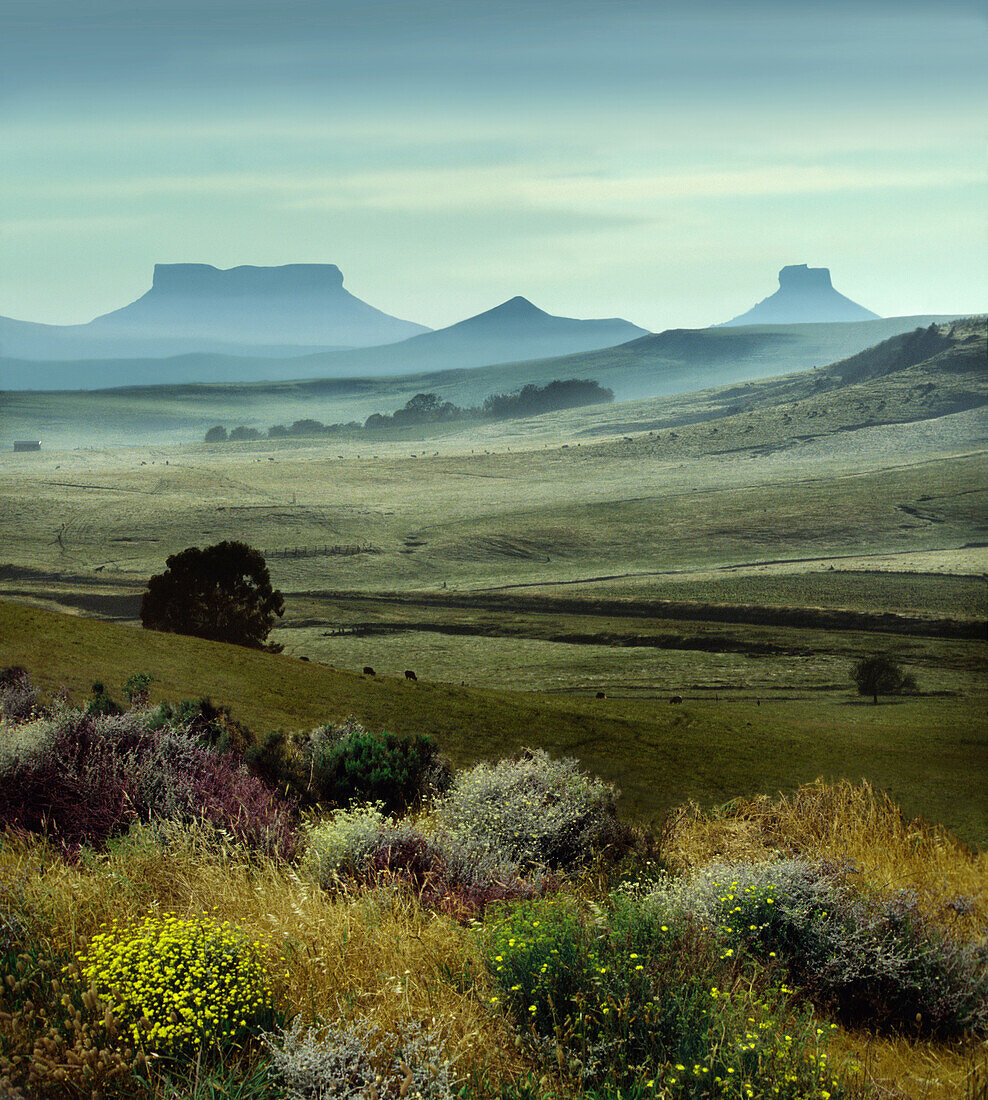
x=660 y=756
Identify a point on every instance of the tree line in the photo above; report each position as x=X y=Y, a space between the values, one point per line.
x=430 y=408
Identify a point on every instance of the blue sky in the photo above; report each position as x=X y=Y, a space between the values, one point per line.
x=658 y=161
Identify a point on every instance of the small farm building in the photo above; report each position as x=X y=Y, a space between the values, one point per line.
x=27 y=444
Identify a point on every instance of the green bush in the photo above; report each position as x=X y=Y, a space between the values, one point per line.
x=350 y=764
x=618 y=1000
x=100 y=704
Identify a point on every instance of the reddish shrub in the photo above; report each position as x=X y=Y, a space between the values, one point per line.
x=84 y=778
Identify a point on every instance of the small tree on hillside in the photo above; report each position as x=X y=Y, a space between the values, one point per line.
x=222 y=593
x=876 y=676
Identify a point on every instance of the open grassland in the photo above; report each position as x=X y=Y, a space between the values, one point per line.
x=476 y=520
x=879 y=457
x=931 y=753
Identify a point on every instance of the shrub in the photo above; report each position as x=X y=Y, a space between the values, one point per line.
x=100 y=702
x=83 y=779
x=18 y=696
x=216 y=434
x=874 y=962
x=362 y=845
x=348 y=764
x=622 y=1000
x=531 y=810
x=138 y=688
x=354 y=1060
x=213 y=725
x=177 y=982
x=341 y=845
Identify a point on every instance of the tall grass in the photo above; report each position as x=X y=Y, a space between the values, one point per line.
x=839 y=821
x=373 y=954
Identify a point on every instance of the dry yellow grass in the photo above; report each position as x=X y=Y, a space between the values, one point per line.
x=376 y=955
x=841 y=821
x=913 y=1069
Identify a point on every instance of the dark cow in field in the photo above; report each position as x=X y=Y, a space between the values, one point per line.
x=303 y=658
x=676 y=699
x=409 y=675
x=368 y=671
x=601 y=695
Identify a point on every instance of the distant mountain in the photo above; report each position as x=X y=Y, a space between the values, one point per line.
x=265 y=311
x=805 y=296
x=512 y=331
x=515 y=330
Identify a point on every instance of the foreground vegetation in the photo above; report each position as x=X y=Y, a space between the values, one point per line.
x=187 y=909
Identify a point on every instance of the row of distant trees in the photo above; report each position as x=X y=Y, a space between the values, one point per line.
x=430 y=408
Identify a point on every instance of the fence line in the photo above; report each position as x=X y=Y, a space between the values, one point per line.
x=345 y=550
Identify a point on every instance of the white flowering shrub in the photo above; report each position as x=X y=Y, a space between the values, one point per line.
x=530 y=810
x=18 y=696
x=28 y=741
x=345 y=844
x=356 y=1061
x=872 y=961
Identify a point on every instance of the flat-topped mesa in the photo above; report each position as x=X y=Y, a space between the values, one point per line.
x=298 y=304
x=805 y=296
x=802 y=277
x=206 y=279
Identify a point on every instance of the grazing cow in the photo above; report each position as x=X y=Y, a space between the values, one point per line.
x=676 y=699
x=303 y=658
x=409 y=675
x=368 y=671
x=601 y=695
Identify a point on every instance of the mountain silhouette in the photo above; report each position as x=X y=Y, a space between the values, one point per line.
x=805 y=296
x=276 y=311
x=514 y=330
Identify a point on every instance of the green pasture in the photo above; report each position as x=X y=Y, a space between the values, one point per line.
x=930 y=753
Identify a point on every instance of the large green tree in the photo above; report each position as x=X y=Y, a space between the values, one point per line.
x=222 y=593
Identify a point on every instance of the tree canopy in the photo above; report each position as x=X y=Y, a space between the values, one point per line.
x=222 y=593
x=876 y=676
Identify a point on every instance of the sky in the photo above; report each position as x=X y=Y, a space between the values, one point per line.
x=654 y=160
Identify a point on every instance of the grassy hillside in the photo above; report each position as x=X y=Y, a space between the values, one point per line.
x=660 y=754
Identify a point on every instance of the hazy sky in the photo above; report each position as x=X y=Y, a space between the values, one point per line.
x=654 y=160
